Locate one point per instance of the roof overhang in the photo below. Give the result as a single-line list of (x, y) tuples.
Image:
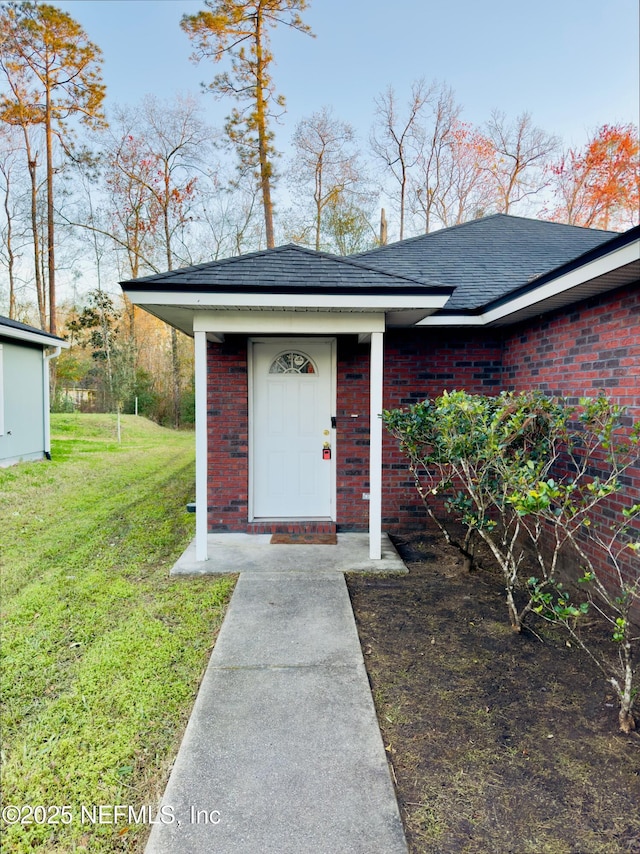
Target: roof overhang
[(616, 268), (252, 313), (32, 336)]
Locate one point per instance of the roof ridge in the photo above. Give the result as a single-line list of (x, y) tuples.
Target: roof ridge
[(353, 260)]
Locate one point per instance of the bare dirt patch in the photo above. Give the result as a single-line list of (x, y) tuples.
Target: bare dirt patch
[(498, 742)]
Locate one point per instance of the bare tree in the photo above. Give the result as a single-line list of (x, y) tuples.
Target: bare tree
[(151, 161), (176, 138), (9, 151), (396, 138), (173, 146), (467, 189), (521, 152), (230, 212), (15, 111), (155, 166), (326, 164), (128, 172), (434, 140)]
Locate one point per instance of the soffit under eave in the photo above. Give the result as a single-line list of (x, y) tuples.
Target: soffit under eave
[(622, 276), (508, 313)]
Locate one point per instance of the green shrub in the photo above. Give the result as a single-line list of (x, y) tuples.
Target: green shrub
[(530, 475)]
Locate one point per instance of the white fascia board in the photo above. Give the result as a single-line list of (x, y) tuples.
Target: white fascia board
[(287, 322), (32, 337), (374, 302), (592, 270), (453, 320)]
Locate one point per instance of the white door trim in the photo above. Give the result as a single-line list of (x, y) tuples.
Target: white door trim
[(293, 342)]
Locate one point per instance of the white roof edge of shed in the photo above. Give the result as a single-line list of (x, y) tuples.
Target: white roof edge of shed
[(32, 337)]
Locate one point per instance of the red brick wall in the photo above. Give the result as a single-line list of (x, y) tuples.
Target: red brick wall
[(423, 363), (580, 352), (352, 435), (417, 364), (228, 435)]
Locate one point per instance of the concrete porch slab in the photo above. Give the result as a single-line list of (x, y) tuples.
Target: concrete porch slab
[(231, 553)]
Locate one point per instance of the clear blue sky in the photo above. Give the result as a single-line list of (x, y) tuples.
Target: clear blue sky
[(573, 64)]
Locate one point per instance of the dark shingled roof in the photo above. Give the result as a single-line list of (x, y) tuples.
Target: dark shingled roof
[(487, 258), (24, 327), (286, 269)]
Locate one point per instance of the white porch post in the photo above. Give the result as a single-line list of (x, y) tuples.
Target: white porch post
[(202, 463), (375, 446)]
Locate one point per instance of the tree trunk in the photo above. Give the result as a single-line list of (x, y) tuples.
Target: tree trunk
[(514, 617), (33, 166), (9, 245), (403, 192), (106, 343), (263, 145), (318, 200), (175, 373), (175, 358), (625, 716), (51, 265)]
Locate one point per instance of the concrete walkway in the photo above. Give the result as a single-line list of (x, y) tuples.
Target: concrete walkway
[(282, 754)]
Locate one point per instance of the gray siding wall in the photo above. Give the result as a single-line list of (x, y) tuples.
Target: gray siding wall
[(21, 396)]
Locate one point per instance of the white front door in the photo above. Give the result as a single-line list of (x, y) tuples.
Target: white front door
[(293, 400)]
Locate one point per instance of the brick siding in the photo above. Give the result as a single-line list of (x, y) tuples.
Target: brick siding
[(579, 352), (228, 435), (423, 363), (352, 435)]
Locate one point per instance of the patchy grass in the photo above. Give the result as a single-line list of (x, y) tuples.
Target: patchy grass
[(498, 742), (102, 653)]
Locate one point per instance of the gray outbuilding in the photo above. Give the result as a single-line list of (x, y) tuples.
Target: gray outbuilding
[(25, 354)]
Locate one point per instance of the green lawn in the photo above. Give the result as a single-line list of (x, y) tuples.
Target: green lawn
[(101, 652)]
